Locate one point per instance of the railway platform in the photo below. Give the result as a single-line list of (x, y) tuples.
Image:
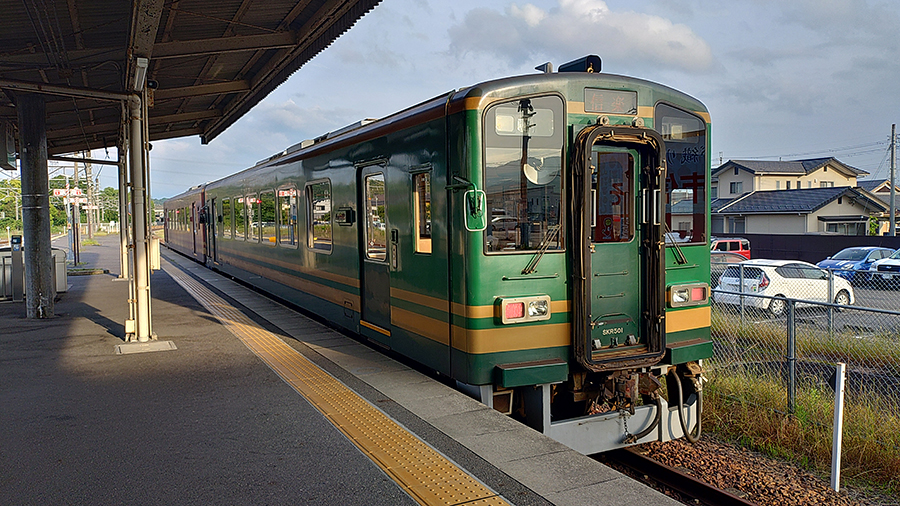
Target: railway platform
[(246, 401)]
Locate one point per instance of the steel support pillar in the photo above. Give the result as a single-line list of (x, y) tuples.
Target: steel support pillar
[(40, 289), (123, 215), (141, 269)]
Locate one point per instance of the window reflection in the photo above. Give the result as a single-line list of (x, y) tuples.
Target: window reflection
[(523, 181), (612, 182)]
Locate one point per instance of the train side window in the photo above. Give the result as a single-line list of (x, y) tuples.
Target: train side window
[(253, 224), (226, 218), (422, 209), (267, 217), (287, 219), (376, 240), (240, 218), (318, 201)]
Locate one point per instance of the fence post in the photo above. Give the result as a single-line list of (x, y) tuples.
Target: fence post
[(741, 290), (830, 301), (840, 377), (791, 357)]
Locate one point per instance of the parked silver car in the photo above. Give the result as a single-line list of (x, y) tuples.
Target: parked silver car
[(781, 279)]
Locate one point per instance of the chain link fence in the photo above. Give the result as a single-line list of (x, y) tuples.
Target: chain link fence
[(778, 349)]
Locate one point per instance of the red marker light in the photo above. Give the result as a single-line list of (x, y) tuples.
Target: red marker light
[(698, 293), (515, 310)]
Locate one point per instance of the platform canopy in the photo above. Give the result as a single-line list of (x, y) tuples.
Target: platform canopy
[(208, 62)]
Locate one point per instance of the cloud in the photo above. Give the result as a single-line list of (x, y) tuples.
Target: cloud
[(577, 27)]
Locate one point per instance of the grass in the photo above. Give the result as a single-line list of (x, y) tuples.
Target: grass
[(746, 400)]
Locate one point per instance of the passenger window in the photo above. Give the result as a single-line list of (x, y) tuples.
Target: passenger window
[(376, 243), (240, 218), (287, 222), (267, 217), (226, 218), (318, 199), (253, 224), (422, 209)]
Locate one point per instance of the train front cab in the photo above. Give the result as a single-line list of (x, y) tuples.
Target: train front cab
[(574, 270)]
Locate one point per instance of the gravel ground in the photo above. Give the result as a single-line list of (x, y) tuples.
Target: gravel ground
[(763, 480)]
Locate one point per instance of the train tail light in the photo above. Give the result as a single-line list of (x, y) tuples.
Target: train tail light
[(523, 309)]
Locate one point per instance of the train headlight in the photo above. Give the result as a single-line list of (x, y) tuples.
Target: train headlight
[(538, 308), (522, 309), (696, 294)]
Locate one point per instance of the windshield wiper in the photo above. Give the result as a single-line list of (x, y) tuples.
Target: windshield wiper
[(679, 255), (551, 234)]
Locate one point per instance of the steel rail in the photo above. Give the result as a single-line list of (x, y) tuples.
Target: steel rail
[(671, 478)]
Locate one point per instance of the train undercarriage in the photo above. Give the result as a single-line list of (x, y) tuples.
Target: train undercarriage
[(598, 412)]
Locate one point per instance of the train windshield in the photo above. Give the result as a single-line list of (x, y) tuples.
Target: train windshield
[(523, 176), (685, 137)]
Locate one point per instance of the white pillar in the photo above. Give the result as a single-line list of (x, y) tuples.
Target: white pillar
[(840, 376), (141, 270)]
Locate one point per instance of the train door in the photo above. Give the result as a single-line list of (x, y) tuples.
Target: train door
[(211, 214), (619, 181), (195, 224), (375, 281)]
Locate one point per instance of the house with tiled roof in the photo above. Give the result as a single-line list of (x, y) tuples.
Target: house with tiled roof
[(837, 210), (881, 188), (737, 177), (819, 195)]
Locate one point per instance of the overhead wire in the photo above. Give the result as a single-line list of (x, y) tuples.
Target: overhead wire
[(850, 151)]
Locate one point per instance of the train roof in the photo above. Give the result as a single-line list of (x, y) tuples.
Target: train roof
[(484, 93)]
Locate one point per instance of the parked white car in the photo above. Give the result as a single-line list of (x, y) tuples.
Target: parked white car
[(886, 269), (783, 279)]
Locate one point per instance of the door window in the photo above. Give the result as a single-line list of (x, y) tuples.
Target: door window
[(422, 210), (612, 182), (376, 242)]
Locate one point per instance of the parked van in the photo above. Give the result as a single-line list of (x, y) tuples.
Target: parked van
[(733, 244)]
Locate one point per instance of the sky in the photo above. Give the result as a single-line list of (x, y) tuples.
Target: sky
[(783, 79)]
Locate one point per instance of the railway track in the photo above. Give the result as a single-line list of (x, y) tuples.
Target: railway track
[(691, 490)]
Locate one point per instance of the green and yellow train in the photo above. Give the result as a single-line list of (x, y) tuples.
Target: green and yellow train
[(542, 240)]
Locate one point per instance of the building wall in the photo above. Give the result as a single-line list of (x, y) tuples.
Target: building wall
[(847, 207), (753, 182), (777, 224), (727, 177)]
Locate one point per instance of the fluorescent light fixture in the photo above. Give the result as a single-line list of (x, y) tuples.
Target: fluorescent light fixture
[(140, 73)]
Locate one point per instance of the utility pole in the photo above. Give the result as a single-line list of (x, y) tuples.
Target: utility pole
[(893, 168), (89, 180)]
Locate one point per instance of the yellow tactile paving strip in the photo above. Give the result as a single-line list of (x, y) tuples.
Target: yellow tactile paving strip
[(428, 477)]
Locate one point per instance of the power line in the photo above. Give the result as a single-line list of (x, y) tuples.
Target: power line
[(863, 148)]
